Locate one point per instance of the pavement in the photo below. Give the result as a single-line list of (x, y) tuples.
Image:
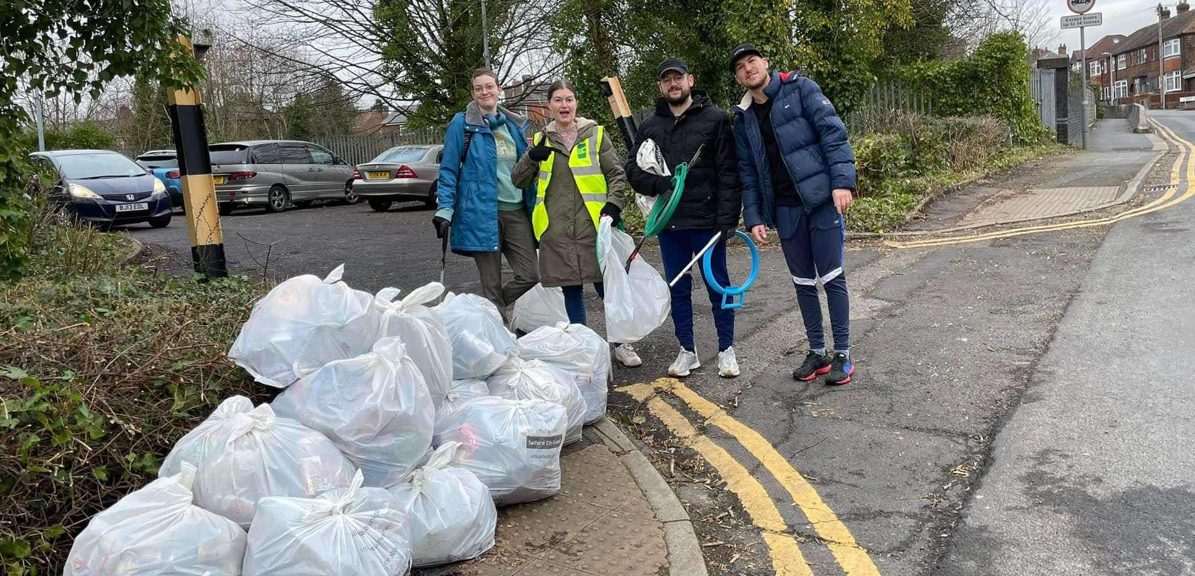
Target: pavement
[(960, 335)]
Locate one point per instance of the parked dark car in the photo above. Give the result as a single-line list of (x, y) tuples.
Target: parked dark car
[(105, 188), (400, 173), (164, 164), (276, 173)]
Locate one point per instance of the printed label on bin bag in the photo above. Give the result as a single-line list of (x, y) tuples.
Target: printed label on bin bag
[(544, 442)]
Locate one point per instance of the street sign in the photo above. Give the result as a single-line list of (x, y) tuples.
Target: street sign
[(1080, 6), (1186, 99), (1083, 21)]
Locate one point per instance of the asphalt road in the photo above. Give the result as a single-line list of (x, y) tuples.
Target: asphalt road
[(1012, 406)]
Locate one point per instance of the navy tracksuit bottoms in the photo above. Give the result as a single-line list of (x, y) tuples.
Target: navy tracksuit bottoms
[(813, 246), (677, 247)]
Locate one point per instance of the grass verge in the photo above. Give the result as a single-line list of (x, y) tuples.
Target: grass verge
[(103, 366)]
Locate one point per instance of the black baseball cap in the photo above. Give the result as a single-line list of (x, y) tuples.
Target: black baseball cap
[(672, 64), (741, 51)]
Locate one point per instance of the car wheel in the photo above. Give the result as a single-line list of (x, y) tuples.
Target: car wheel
[(162, 222), (225, 209), (380, 204), (432, 195), (277, 199), (350, 195)]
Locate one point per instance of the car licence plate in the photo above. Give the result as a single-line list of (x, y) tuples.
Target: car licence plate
[(377, 175), (218, 180), (132, 207)]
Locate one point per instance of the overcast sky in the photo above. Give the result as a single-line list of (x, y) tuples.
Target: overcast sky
[(1120, 17)]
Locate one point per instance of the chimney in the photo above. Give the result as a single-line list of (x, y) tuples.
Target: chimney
[(1182, 8), (1164, 13), (1062, 49)]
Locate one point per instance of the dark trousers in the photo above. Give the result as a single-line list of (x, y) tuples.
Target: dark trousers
[(677, 247), (574, 301), (516, 241), (814, 246)]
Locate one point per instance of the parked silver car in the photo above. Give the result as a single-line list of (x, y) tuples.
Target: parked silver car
[(276, 173), (400, 173)]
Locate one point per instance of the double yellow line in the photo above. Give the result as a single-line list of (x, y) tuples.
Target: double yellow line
[(1166, 200), (786, 555)]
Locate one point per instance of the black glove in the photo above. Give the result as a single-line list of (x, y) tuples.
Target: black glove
[(728, 231), (663, 185), (541, 151), (442, 225), (613, 211)]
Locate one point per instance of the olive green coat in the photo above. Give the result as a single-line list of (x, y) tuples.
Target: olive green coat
[(568, 248)]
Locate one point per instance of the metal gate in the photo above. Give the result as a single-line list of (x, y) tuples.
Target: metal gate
[(1041, 85)]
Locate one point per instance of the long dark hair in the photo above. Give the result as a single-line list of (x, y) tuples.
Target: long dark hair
[(561, 84)]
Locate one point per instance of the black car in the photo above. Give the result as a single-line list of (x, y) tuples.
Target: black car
[(106, 188)]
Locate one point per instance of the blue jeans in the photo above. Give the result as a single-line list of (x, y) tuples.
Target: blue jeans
[(813, 248), (574, 301), (677, 247)]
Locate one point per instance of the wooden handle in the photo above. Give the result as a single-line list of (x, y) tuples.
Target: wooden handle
[(618, 100)]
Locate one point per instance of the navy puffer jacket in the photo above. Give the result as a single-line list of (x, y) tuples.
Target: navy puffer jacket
[(812, 140)]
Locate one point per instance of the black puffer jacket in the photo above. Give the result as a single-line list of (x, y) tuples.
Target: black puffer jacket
[(712, 197)]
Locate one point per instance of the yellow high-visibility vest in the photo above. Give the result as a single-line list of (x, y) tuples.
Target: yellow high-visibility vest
[(586, 165)]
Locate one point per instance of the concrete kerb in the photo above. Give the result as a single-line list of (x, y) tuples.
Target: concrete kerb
[(684, 550), (1132, 187)]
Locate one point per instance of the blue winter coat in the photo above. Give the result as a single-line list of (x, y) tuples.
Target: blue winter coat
[(467, 194), (812, 140)]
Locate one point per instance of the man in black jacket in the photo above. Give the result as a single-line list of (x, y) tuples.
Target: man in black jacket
[(685, 120)]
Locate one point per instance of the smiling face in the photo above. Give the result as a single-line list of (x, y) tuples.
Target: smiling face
[(675, 87), (563, 104), (751, 72), (486, 91)]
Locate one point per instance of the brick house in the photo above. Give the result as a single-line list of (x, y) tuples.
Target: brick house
[(1130, 74), (1097, 64)]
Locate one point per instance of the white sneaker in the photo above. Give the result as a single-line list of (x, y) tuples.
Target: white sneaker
[(685, 362), (626, 355), (728, 365)]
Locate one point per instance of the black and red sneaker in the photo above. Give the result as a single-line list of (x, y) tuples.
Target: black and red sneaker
[(814, 365), (841, 369)]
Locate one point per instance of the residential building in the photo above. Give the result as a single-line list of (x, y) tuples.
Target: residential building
[(1131, 71), (1099, 72)]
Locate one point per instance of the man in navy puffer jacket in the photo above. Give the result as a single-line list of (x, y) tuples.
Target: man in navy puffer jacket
[(798, 174)]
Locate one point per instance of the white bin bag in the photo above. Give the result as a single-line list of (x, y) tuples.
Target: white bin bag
[(354, 530), (636, 303), (579, 351), (461, 392), (421, 331), (513, 446), (539, 306), (451, 514), (302, 324), (480, 341), (158, 531), (520, 379), (374, 407), (242, 454)]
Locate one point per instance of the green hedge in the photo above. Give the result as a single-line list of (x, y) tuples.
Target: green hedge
[(994, 80)]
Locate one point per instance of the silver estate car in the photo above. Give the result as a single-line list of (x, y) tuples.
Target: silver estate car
[(400, 173), (276, 173)]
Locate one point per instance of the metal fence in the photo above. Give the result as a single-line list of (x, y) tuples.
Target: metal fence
[(358, 149), (882, 100)]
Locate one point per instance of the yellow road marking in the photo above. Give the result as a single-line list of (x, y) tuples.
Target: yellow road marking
[(787, 559), (853, 558), (1161, 203)]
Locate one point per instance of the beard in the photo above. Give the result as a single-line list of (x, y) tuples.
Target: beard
[(684, 95), (763, 80)]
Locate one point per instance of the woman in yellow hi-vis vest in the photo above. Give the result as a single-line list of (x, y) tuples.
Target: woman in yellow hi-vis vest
[(578, 178)]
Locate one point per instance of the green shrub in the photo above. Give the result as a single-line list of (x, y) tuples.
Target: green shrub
[(103, 367)]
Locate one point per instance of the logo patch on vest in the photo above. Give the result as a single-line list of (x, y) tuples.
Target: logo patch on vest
[(583, 150)]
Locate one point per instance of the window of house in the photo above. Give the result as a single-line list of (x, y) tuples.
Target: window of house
[(1121, 62), (1171, 48), (1174, 81), (1141, 56), (1120, 89), (1095, 68)]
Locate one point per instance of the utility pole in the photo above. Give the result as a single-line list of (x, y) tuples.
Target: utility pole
[(485, 37), (1161, 59), (1086, 92)]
